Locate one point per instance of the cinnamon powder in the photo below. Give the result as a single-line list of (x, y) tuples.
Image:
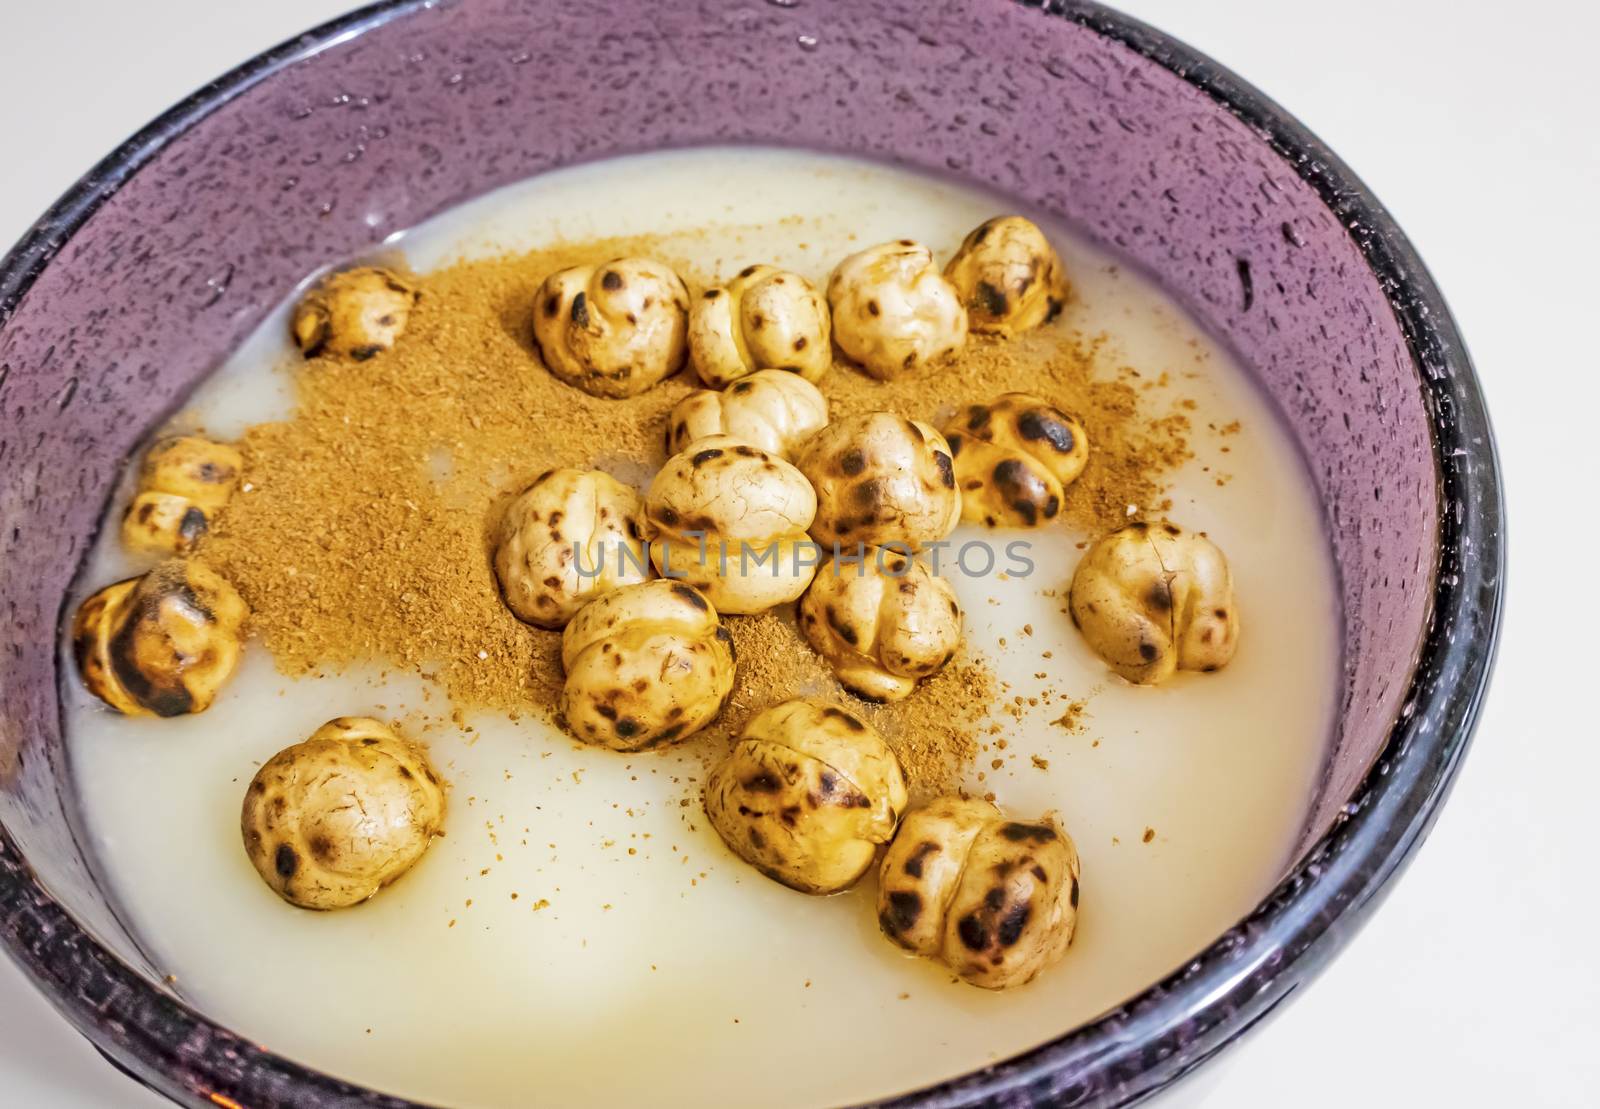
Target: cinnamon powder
[(362, 531)]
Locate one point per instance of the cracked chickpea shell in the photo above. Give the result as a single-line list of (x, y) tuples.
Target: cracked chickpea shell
[(883, 625), (646, 665), (765, 318), (331, 820), (731, 519), (807, 795), (993, 899), (613, 330), (1153, 599), (893, 310), (771, 409), (568, 538), (184, 484), (881, 478), (353, 314)]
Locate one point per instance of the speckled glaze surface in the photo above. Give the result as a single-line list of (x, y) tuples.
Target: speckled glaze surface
[(169, 253)]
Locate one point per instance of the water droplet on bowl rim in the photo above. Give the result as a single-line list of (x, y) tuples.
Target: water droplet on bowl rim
[(217, 284)]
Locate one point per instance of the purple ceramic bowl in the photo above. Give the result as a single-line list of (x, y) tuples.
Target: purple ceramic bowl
[(143, 278)]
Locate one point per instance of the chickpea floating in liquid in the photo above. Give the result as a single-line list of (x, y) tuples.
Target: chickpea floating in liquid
[(184, 484), (1014, 459), (163, 644), (880, 479), (646, 666), (764, 319), (806, 796), (353, 314), (568, 538), (613, 330), (893, 310), (1153, 599), (882, 626), (333, 819), (993, 899), (1009, 276)]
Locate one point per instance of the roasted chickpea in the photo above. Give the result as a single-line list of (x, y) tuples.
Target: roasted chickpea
[(1153, 599), (1014, 459), (764, 319), (613, 330), (646, 666), (1009, 276), (731, 520), (163, 644), (335, 818), (883, 624), (807, 795), (353, 314), (881, 479), (993, 899), (893, 310), (184, 483), (773, 410), (569, 537)]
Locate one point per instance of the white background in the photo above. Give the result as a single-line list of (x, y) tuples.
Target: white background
[(1478, 983)]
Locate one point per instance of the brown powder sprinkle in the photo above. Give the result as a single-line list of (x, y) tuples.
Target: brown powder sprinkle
[(1073, 719), (366, 533), (362, 532), (933, 732), (1130, 450)]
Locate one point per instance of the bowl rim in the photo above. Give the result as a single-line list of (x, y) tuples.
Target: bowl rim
[(1151, 1040)]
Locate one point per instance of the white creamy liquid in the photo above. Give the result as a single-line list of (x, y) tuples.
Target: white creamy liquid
[(571, 940)]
